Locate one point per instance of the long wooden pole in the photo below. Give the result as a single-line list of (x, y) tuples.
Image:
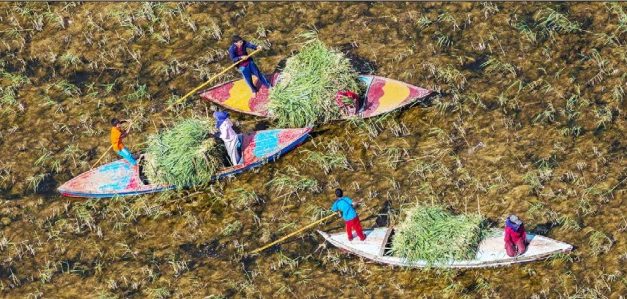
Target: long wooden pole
[(292, 234), (187, 95), (210, 80), (111, 146)]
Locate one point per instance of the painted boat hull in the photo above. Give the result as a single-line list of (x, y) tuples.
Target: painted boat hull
[(119, 179), (491, 251), (382, 95)]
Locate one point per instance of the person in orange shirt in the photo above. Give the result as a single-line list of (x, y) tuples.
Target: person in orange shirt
[(116, 141)]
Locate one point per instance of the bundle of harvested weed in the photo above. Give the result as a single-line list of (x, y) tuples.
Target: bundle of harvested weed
[(305, 92), (184, 155), (432, 234)]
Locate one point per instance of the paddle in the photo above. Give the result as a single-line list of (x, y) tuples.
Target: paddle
[(211, 79), (292, 234), (111, 146)]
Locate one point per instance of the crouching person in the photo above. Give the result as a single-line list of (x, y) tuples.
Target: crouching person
[(515, 236)]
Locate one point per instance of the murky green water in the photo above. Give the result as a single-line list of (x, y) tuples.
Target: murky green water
[(530, 120)]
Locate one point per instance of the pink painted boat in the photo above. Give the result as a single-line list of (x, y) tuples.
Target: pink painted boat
[(491, 251), (382, 95), (118, 178)]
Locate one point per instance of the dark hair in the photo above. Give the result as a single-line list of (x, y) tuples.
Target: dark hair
[(338, 192), (115, 121), (236, 38)]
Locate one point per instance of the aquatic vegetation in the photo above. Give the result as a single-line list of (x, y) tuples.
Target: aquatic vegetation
[(160, 293), (245, 198), (184, 155), (474, 141), (232, 228), (305, 93), (495, 66), (599, 242), (432, 234), (552, 22), (328, 161), (604, 117), (448, 74), (292, 183), (443, 40), (568, 223), (140, 92), (10, 83)]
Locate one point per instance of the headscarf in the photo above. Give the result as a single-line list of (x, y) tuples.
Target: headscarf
[(220, 117), (513, 222)]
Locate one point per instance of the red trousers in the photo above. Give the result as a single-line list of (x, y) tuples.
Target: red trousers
[(514, 249), (354, 224)]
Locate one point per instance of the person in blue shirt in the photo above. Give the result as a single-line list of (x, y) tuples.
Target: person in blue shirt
[(345, 208), (246, 65)]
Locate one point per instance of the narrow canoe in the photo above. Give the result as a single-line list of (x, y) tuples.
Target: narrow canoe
[(491, 251), (119, 179), (382, 95)]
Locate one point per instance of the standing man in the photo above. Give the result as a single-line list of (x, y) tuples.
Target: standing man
[(345, 208), (228, 135), (116, 141), (515, 236), (246, 65)]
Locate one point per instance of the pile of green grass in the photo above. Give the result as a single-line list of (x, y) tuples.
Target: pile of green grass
[(432, 234), (305, 93), (184, 155)]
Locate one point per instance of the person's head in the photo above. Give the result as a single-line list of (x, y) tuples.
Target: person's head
[(338, 192), (220, 115), (514, 219), (237, 40), (115, 122)]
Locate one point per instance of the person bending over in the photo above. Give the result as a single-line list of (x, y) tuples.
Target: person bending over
[(228, 135), (515, 236)]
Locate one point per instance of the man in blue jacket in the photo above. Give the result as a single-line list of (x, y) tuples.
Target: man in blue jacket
[(246, 65)]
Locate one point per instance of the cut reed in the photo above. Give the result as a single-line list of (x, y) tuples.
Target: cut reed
[(184, 155), (305, 92), (432, 234)]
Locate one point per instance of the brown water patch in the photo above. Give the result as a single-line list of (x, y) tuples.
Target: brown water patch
[(530, 120)]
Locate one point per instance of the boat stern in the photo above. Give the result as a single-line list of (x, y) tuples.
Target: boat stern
[(115, 178), (384, 95), (236, 95)]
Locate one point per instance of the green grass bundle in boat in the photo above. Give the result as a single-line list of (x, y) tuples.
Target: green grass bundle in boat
[(184, 155), (433, 234), (305, 93)]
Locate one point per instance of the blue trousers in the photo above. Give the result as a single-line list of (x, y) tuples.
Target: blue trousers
[(124, 153), (248, 71)]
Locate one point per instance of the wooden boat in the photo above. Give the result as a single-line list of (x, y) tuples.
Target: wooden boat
[(118, 178), (382, 95), (491, 251)]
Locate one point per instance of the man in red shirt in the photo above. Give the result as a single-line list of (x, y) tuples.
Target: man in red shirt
[(515, 236)]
